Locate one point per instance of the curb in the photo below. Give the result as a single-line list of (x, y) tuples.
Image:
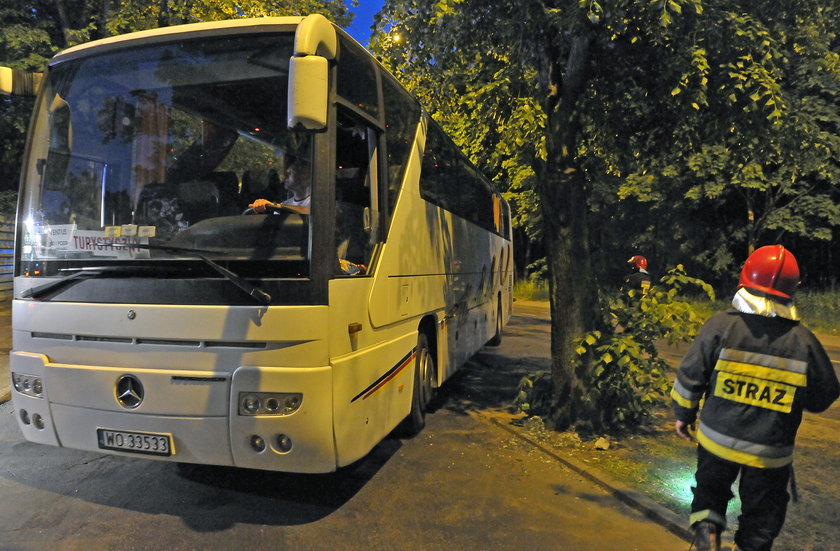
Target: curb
[(649, 508)]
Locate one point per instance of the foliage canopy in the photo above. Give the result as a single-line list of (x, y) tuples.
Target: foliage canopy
[(690, 131)]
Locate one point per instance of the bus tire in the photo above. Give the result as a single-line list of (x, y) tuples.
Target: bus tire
[(496, 340), (421, 395)]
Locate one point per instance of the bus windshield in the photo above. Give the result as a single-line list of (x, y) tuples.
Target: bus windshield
[(168, 144)]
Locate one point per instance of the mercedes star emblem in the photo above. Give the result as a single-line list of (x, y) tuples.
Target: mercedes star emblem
[(129, 391)]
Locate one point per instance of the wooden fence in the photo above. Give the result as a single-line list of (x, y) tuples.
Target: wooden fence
[(7, 249)]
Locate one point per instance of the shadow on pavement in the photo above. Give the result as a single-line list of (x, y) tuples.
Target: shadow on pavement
[(206, 498), (486, 382)]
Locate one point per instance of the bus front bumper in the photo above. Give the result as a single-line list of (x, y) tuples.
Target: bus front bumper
[(184, 416)]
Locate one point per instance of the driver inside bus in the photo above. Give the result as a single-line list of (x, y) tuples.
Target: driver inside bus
[(298, 183)]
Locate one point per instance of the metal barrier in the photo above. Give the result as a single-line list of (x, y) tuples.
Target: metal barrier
[(7, 249)]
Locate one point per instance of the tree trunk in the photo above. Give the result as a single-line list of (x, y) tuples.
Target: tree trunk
[(104, 17), (564, 200), (63, 21), (163, 14)]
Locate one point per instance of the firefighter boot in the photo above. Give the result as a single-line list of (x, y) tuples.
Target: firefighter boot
[(706, 536)]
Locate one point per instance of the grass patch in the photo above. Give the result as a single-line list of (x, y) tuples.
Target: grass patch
[(820, 310), (531, 290)]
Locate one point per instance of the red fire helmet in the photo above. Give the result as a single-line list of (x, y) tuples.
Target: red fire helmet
[(772, 270), (638, 261)]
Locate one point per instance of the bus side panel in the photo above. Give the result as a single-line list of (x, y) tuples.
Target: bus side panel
[(373, 389), (372, 370), (436, 262), (410, 276), (473, 257)]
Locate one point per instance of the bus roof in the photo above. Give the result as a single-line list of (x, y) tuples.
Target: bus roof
[(162, 33)]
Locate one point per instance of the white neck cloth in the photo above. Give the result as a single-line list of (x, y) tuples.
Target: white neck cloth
[(748, 303)]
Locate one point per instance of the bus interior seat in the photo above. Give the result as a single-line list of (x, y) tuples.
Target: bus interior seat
[(199, 199), (158, 205), (227, 185), (352, 199)]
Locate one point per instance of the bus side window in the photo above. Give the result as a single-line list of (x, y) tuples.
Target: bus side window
[(355, 189), (402, 113)]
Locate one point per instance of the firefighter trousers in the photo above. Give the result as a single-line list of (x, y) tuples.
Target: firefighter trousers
[(763, 494)]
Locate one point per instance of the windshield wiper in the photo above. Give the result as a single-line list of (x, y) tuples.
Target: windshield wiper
[(252, 290), (76, 275)]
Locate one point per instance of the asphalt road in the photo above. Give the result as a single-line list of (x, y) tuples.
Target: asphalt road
[(462, 484)]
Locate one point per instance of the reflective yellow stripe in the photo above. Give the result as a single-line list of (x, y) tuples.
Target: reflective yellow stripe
[(779, 362), (755, 392), (707, 514), (742, 457), (689, 404), (762, 372)]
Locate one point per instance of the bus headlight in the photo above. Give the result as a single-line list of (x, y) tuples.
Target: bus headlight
[(250, 404), (29, 385), (269, 403)]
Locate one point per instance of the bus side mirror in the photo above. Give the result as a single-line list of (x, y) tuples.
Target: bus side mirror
[(18, 83), (308, 92), (309, 73)]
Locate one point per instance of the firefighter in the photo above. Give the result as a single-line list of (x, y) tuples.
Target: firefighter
[(639, 278), (758, 369)]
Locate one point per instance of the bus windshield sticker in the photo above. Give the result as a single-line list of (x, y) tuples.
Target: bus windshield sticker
[(96, 243)]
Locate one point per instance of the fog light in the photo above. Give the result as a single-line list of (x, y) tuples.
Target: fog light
[(24, 416), (257, 443), (37, 386), (38, 421), (284, 443)]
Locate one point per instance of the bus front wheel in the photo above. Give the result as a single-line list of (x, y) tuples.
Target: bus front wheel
[(424, 370)]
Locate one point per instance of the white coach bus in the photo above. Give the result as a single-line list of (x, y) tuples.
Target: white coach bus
[(156, 315)]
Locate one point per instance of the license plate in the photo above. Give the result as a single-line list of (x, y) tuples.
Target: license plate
[(135, 442)]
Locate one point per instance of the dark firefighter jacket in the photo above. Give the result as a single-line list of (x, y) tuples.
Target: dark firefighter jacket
[(757, 374)]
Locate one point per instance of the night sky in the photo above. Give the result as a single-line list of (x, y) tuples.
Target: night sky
[(360, 29)]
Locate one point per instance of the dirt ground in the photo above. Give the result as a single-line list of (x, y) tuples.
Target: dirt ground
[(653, 460), (659, 464)]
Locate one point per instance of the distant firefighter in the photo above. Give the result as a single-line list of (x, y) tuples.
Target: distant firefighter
[(639, 278)]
